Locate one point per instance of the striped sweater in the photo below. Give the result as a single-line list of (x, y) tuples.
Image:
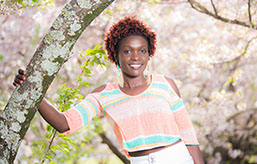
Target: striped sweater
[(156, 117)]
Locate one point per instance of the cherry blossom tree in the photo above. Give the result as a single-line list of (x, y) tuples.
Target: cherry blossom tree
[(208, 47)]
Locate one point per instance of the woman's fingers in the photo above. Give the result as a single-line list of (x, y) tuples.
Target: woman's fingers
[(19, 78), (21, 72), (18, 81), (15, 84)]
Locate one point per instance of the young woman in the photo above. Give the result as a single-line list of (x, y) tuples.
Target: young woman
[(146, 112)]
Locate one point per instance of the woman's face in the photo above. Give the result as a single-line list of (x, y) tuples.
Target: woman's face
[(133, 55)]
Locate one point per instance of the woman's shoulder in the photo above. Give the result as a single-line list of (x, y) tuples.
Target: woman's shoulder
[(105, 87), (99, 88), (172, 84)]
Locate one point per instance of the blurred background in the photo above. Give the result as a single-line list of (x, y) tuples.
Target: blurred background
[(214, 64)]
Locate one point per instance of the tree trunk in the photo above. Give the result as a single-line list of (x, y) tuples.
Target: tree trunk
[(54, 50)]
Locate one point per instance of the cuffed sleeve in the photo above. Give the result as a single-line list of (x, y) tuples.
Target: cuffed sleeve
[(79, 115)]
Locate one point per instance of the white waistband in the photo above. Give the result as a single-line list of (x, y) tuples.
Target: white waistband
[(177, 153)]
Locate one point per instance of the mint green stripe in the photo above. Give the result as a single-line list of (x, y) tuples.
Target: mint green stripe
[(114, 92), (93, 105), (116, 102), (177, 105), (149, 140), (163, 86), (191, 144), (153, 95), (83, 112)]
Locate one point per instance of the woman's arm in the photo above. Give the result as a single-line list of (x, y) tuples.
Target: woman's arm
[(53, 116), (46, 109), (194, 150), (196, 154)]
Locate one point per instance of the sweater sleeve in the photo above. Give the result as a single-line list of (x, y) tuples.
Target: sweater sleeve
[(183, 120), (79, 115)]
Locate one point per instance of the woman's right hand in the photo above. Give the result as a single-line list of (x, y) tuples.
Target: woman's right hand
[(19, 78), (46, 109)]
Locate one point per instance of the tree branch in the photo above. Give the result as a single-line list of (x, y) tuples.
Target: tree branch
[(235, 63), (107, 141), (249, 12), (198, 7), (214, 8), (238, 57), (50, 144)]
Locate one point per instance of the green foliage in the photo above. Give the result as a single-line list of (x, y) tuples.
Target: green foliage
[(66, 97), (151, 2), (97, 126), (251, 160), (109, 12), (34, 3), (52, 142), (91, 57), (1, 57)]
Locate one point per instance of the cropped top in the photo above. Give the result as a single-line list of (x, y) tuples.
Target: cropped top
[(156, 117)]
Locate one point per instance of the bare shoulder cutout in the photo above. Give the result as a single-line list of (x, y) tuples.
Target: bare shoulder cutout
[(173, 85)]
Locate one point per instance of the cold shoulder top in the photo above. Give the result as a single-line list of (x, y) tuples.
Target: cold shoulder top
[(156, 117)]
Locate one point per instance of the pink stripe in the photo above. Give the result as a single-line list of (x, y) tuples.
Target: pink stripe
[(74, 120), (142, 123)]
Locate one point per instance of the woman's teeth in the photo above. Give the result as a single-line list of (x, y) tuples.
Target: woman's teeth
[(135, 66)]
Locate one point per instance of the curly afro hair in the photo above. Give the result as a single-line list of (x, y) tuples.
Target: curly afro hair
[(125, 27)]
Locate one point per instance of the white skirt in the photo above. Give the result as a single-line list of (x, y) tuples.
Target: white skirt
[(175, 154)]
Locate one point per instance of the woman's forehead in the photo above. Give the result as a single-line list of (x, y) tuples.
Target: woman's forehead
[(133, 41)]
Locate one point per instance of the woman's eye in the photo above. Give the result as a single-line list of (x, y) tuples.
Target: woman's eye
[(127, 51), (143, 51)]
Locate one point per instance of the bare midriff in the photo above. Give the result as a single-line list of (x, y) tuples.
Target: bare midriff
[(147, 152)]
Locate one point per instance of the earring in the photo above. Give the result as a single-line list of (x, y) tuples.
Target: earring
[(119, 76), (147, 73)]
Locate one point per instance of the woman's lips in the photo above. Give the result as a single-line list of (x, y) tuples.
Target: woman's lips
[(135, 66)]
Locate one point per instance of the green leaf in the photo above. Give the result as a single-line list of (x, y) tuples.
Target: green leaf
[(65, 149), (85, 83), (52, 147), (65, 145), (79, 79), (86, 72), (66, 139), (49, 127), (98, 46), (52, 162), (81, 56), (20, 1), (85, 64), (251, 160), (101, 51), (1, 57), (61, 135), (48, 135), (89, 51), (43, 145)]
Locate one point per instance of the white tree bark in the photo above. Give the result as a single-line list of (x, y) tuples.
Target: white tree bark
[(51, 54)]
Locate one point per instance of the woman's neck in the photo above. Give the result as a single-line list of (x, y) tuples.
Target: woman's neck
[(134, 82)]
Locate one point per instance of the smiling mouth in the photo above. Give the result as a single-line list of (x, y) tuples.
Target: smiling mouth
[(135, 66)]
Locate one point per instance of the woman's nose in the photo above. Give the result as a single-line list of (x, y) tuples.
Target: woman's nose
[(135, 56)]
